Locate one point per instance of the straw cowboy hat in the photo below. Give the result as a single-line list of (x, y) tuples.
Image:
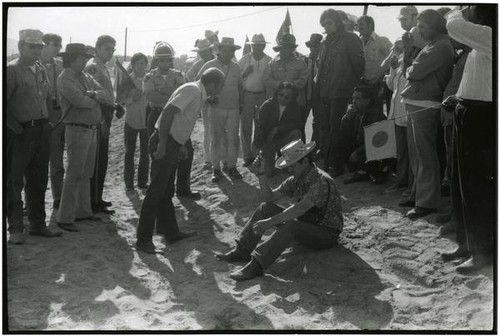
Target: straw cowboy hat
[(287, 39), (293, 152), (258, 39), (202, 45), (76, 48), (227, 42)]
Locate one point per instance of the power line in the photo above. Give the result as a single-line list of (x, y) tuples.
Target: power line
[(206, 23)]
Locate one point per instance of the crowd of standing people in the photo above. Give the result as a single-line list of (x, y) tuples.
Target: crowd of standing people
[(260, 105)]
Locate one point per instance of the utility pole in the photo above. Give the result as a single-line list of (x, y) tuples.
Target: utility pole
[(125, 54)]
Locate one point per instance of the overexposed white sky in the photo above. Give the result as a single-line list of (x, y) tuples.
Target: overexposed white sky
[(181, 26)]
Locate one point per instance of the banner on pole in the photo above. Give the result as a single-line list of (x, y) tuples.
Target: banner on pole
[(380, 140), (285, 27)]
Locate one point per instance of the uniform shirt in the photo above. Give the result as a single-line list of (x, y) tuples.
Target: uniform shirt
[(294, 71), (135, 115), (80, 108), (229, 97), (376, 50), (254, 82), (28, 89), (193, 73), (158, 87), (477, 80), (97, 69), (54, 69), (314, 187), (189, 99)]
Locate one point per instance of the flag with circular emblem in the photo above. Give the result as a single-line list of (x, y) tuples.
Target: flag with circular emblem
[(380, 140)]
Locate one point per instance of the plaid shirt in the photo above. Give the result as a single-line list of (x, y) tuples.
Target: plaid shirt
[(314, 187)]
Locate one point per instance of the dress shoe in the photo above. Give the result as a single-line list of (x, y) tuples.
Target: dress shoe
[(418, 212), (216, 175), (56, 203), (45, 232), (68, 227), (474, 263), (357, 177), (459, 252), (105, 203), (90, 218), (235, 255), (407, 203), (17, 238), (247, 272), (234, 173), (145, 246), (248, 162), (191, 195), (179, 236)]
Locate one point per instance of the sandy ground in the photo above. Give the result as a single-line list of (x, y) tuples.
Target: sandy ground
[(385, 275)]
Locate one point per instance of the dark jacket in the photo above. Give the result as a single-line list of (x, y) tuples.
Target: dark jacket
[(341, 65), (431, 71), (268, 120)]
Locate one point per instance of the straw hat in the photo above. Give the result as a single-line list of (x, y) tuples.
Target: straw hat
[(293, 152)]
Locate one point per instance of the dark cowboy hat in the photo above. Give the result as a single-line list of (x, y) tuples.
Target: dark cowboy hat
[(287, 39), (314, 40), (76, 48)]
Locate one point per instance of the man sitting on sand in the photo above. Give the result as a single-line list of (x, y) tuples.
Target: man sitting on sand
[(315, 220)]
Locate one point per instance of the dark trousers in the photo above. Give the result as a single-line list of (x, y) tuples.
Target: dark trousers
[(474, 176), (29, 169), (157, 205), (404, 175), (266, 252), (130, 135), (101, 167), (314, 105), (333, 111), (183, 183)]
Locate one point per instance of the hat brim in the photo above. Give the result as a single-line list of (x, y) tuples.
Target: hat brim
[(282, 163), (235, 47), (277, 48), (258, 42), (72, 53), (311, 43), (203, 49)]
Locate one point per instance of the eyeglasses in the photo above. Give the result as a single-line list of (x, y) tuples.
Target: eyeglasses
[(327, 23)]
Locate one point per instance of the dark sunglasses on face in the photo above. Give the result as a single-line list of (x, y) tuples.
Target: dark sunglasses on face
[(35, 46)]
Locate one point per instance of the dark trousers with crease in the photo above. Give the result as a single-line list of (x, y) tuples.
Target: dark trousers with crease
[(101, 167), (266, 252), (157, 206), (29, 170), (333, 110), (474, 174)]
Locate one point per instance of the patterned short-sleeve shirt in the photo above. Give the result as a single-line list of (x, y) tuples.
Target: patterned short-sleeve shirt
[(314, 187)]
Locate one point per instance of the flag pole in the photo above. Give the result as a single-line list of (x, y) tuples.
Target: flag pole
[(125, 53)]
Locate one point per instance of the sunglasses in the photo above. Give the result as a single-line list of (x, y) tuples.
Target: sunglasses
[(35, 46)]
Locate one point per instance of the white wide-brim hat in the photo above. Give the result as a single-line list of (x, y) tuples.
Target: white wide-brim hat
[(293, 152)]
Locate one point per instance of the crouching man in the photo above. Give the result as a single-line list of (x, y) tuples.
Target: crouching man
[(314, 220)]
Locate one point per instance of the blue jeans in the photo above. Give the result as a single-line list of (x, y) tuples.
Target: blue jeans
[(266, 252), (130, 135), (157, 205)]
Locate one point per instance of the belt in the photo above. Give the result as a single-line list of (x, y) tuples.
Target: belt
[(34, 122), (261, 92), (92, 127)]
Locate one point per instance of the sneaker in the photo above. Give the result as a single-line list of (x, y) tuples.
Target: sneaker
[(234, 173), (216, 175)]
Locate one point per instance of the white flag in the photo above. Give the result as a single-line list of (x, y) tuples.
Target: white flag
[(380, 140)]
